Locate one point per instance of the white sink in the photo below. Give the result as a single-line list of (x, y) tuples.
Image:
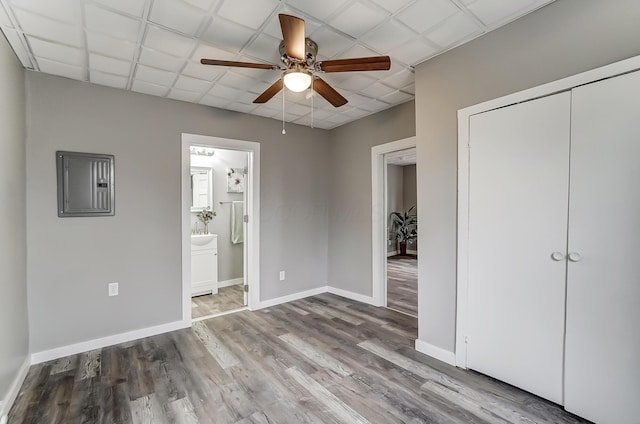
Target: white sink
[(202, 239)]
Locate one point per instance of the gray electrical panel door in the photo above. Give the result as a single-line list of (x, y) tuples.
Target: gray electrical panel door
[(85, 184)]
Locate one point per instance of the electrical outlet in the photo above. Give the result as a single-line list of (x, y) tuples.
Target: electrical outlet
[(113, 289), (281, 275)]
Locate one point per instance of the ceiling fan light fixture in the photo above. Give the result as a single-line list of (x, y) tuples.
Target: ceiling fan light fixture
[(296, 80)]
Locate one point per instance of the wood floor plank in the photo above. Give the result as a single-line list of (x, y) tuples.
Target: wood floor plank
[(319, 357), (224, 357), (402, 284), (227, 299)]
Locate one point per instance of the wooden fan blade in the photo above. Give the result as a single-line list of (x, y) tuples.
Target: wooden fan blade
[(237, 64), (376, 63), (326, 91), (270, 92), (293, 36)]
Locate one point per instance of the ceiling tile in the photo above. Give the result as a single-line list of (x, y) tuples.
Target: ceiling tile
[(5, 22), (160, 60), (211, 52), (318, 9), (339, 118), (358, 51), (203, 72), (110, 46), (250, 13), (377, 90), (414, 52), (225, 92), (273, 25), (399, 79), (227, 34), (168, 42), (241, 107), (396, 97), (380, 40), (247, 98), (358, 19), (491, 12), (454, 30), (265, 48), (132, 7), (185, 96), (356, 100), (355, 81), (19, 46), (62, 10), (267, 113), (235, 80), (214, 101), (148, 88), (374, 106), (109, 80), (202, 4), (155, 76), (60, 69), (110, 23), (356, 113), (177, 15), (57, 52), (48, 29), (425, 14), (411, 89), (109, 65), (297, 109), (259, 87), (393, 5), (191, 84), (330, 42)]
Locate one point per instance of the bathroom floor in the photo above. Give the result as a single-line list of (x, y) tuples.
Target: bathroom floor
[(228, 298)]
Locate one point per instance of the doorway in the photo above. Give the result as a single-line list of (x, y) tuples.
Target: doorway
[(220, 217), (395, 282)]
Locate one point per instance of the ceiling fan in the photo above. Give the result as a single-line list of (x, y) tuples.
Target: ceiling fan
[(300, 68)]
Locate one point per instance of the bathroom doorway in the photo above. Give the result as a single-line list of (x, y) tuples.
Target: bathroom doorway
[(220, 218)]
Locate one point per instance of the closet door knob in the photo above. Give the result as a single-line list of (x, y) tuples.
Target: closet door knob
[(557, 256), (575, 257)]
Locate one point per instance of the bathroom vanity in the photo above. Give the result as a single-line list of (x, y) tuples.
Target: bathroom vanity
[(204, 264)]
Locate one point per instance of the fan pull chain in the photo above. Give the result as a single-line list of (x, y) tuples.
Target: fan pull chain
[(283, 130), (312, 96)]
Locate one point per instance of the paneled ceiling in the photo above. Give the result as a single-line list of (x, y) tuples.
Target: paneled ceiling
[(154, 46)]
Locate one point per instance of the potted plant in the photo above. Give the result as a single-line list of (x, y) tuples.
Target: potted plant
[(405, 227)]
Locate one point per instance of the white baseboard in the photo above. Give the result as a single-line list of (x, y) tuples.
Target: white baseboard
[(436, 352), (7, 402), (412, 252), (290, 297), (233, 282), (351, 295), (60, 352)]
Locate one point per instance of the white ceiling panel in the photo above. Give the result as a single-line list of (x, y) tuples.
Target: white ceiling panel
[(109, 46), (110, 23), (109, 65), (237, 11), (177, 15), (425, 14), (48, 29), (155, 46), (57, 52), (131, 7), (115, 81), (358, 19)]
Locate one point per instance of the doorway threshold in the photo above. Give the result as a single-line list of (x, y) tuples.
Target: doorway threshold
[(219, 314)]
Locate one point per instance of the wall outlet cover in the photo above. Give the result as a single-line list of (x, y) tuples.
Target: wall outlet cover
[(282, 276)]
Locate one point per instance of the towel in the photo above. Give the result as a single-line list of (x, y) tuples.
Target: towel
[(237, 222)]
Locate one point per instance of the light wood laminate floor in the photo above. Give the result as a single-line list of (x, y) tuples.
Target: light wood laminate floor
[(402, 284), (323, 359), (227, 299)]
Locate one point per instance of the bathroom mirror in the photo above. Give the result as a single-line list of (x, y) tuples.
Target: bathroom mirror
[(201, 188)]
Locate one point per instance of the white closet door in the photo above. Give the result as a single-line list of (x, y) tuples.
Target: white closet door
[(602, 380), (519, 182)]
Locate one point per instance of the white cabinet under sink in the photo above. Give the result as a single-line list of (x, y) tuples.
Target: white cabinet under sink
[(204, 264)]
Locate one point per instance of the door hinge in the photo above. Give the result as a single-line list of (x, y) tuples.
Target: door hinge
[(246, 288), (245, 218), (466, 339)]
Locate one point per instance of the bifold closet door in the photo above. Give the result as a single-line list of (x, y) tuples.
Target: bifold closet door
[(602, 380), (518, 206)]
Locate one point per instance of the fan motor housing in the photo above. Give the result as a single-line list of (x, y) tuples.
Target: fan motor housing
[(311, 51)]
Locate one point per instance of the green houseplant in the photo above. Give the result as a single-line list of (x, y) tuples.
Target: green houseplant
[(405, 227)]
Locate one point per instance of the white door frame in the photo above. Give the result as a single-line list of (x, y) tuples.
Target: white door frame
[(608, 71), (252, 208), (379, 229)]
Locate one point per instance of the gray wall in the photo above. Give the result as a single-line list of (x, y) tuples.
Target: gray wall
[(14, 339), (230, 256), (559, 40), (395, 200), (71, 260), (350, 187), (410, 194)]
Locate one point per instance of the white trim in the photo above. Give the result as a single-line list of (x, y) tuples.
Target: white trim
[(252, 234), (10, 397), (436, 352), (291, 297), (233, 282), (378, 212), (61, 352), (565, 84), (351, 295)]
